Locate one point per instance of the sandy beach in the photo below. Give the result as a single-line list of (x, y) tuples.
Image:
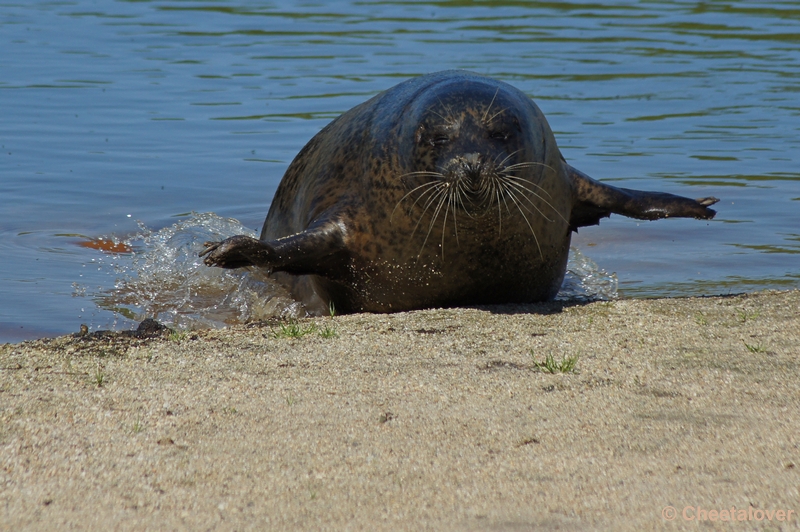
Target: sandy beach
[(678, 414)]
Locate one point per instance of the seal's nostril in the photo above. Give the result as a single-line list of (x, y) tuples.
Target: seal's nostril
[(472, 158)]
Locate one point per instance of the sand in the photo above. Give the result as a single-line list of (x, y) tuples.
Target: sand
[(430, 420)]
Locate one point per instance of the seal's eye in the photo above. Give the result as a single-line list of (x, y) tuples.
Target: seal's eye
[(498, 135), (437, 140), (433, 138)]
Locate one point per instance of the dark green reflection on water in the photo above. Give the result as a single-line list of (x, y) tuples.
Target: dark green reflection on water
[(730, 7), (560, 6), (695, 287), (710, 111), (270, 11), (733, 180), (282, 117), (792, 249)]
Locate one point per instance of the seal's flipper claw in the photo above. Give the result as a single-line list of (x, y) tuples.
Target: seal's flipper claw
[(210, 246), (707, 202), (234, 252), (295, 254), (596, 200)]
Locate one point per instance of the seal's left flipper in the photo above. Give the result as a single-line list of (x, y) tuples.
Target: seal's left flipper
[(297, 253), (596, 200)]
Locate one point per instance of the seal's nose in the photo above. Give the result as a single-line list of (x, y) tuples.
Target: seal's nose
[(472, 169), (472, 158)]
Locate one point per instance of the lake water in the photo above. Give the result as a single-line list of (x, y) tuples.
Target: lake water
[(119, 119)]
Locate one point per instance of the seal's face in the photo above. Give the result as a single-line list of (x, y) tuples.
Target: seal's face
[(472, 151)]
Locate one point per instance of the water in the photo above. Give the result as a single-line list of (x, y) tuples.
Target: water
[(160, 275), (119, 116)]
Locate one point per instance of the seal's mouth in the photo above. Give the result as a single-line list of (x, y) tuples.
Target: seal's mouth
[(471, 175), (474, 184)]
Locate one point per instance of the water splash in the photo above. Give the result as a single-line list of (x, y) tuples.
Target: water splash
[(163, 278), (166, 280), (586, 281)]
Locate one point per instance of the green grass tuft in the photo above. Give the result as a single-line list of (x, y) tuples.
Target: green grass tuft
[(293, 330), (747, 315), (755, 348), (137, 425), (99, 377), (176, 335), (328, 331), (551, 365)]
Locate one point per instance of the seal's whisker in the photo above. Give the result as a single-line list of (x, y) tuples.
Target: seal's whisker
[(484, 192), (519, 208), (522, 190), (498, 196), (436, 195), (449, 111), (505, 173), (431, 194), (519, 186), (441, 196), (507, 157), (486, 112), (431, 184), (528, 164), (444, 118), (531, 163), (501, 111), (428, 173), (521, 180), (501, 191), (433, 197), (524, 185), (534, 188), (452, 204), (487, 195), (460, 194), (448, 197), (513, 168)]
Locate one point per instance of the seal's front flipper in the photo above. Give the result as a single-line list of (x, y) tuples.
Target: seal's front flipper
[(596, 200), (297, 253), (236, 252)]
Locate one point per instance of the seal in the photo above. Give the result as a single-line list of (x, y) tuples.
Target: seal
[(445, 190)]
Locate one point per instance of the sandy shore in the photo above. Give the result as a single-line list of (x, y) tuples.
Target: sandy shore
[(434, 420)]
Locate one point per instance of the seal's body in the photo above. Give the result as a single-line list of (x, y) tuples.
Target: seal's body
[(445, 190)]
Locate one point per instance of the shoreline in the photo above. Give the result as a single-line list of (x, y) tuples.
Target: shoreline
[(443, 419)]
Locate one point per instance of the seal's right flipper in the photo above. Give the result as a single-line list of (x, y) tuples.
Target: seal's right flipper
[(237, 252), (596, 200), (295, 254)]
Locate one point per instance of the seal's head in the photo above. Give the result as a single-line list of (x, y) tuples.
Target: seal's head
[(471, 146)]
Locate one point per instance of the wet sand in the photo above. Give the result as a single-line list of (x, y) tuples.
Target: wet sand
[(430, 420)]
